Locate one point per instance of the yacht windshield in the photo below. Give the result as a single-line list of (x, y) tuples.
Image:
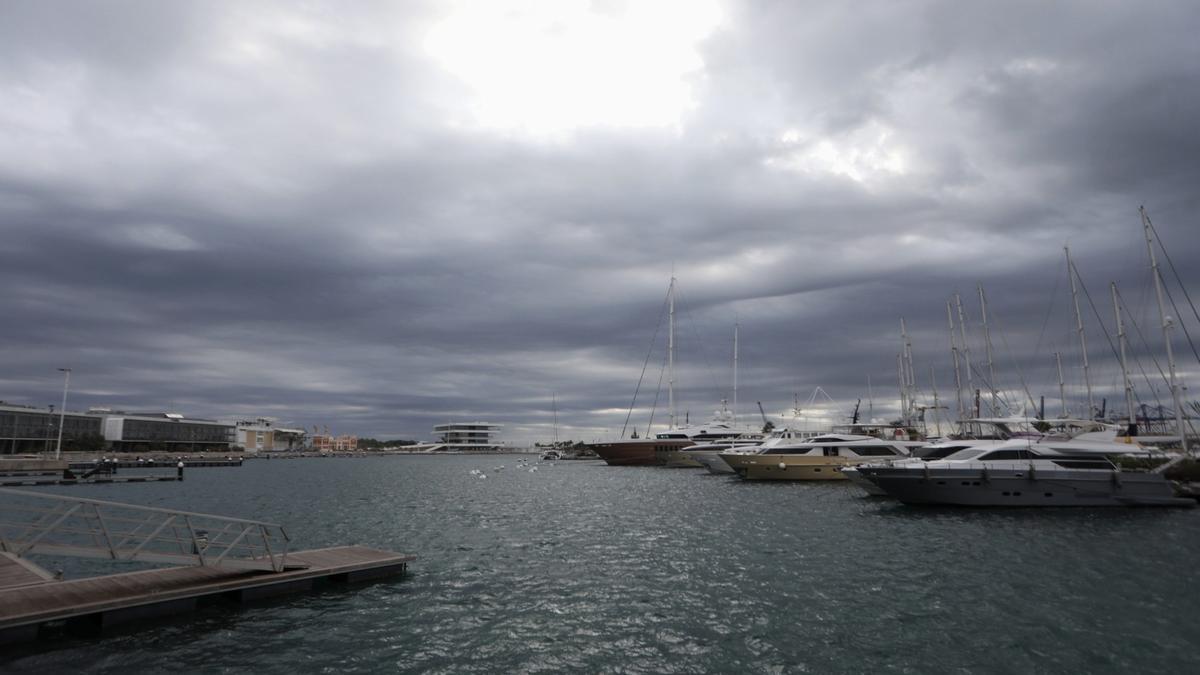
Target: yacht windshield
[(969, 453)]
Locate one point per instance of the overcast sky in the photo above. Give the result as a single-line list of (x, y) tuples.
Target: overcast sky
[(383, 216)]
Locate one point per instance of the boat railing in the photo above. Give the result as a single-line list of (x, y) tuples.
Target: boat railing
[(50, 524)]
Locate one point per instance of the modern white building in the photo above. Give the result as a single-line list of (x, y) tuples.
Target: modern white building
[(467, 436)]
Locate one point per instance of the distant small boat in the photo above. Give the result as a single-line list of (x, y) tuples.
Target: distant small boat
[(551, 455)]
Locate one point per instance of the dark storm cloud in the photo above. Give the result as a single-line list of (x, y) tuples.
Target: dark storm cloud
[(259, 209)]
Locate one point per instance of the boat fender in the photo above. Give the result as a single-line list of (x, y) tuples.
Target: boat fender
[(1116, 477), (926, 467), (1032, 472), (983, 475), (782, 466)]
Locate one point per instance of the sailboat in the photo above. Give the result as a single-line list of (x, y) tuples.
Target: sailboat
[(553, 453), (652, 451)]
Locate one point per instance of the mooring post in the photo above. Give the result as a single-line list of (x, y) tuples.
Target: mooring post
[(179, 469)]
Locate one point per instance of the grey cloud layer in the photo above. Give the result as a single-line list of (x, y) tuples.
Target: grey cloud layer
[(298, 229)]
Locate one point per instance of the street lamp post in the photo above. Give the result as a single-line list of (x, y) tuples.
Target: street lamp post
[(62, 413)]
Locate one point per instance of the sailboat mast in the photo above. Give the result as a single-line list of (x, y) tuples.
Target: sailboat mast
[(1062, 387), (962, 327), (554, 405), (987, 344), (1167, 326), (957, 372), (909, 382), (903, 392), (937, 421), (1087, 380), (671, 352), (735, 367), (870, 400), (1124, 366)]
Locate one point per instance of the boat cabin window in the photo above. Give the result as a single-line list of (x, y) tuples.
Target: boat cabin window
[(1098, 463), (969, 453), (938, 453), (666, 436), (831, 452), (874, 450), (1001, 455)]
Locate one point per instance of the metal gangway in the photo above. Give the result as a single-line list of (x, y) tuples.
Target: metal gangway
[(50, 524)]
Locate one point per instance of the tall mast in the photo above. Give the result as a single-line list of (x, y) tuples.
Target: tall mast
[(554, 405), (962, 327), (870, 400), (1124, 367), (1087, 380), (1168, 324), (903, 393), (1062, 387), (909, 382), (957, 374), (671, 352), (987, 343), (735, 367), (937, 421)]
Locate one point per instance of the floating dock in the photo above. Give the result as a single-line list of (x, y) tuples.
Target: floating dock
[(211, 558), (107, 478), (31, 599)]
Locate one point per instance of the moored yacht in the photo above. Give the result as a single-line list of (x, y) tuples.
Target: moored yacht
[(928, 453), (709, 455), (819, 458), (654, 451), (1026, 472)]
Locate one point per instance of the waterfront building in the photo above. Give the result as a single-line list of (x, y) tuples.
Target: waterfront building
[(27, 429), (328, 443), (466, 437), (261, 435), (165, 432)]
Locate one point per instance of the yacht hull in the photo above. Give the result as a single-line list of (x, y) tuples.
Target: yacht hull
[(678, 459), (1006, 487), (855, 476), (641, 452), (787, 467), (711, 460)]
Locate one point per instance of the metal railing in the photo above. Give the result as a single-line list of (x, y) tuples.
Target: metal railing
[(50, 524)]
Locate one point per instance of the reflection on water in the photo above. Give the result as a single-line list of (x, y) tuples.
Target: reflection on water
[(581, 566)]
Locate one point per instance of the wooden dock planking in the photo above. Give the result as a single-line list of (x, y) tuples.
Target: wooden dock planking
[(131, 595), (16, 572)]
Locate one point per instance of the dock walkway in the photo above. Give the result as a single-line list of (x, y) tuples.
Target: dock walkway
[(29, 600)]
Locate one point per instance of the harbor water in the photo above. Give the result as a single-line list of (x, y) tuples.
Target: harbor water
[(583, 567)]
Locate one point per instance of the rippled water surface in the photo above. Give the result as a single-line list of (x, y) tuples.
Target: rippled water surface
[(589, 568)]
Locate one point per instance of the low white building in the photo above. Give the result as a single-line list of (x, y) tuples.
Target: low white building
[(261, 435)]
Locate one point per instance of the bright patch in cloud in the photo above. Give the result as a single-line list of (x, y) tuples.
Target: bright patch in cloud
[(155, 236), (552, 66), (865, 154)]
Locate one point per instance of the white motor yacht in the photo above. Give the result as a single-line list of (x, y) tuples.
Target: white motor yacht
[(1027, 472)]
